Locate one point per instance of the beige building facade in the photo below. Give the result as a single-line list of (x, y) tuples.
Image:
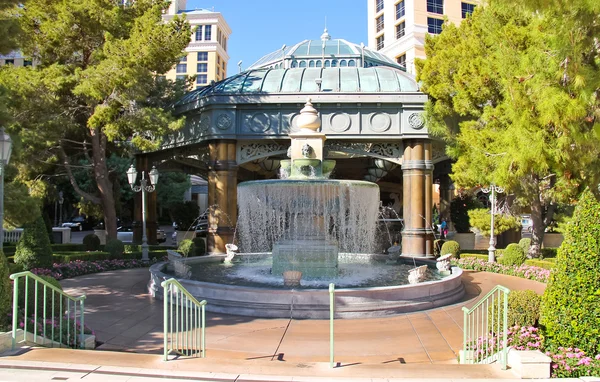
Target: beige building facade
[(206, 56), (15, 58), (397, 28)]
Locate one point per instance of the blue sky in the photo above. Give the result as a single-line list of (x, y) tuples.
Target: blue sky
[(263, 26)]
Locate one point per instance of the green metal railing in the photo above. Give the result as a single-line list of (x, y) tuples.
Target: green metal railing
[(485, 329), (331, 316), (57, 317), (184, 321)]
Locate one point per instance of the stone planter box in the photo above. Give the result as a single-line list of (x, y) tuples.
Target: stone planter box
[(552, 240), (101, 235), (528, 364), (465, 240)]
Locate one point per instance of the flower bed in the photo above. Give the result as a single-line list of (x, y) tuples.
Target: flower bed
[(79, 268), (525, 271)]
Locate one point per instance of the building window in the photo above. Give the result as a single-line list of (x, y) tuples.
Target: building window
[(401, 60), (201, 79), (181, 68), (295, 65), (202, 68), (225, 44), (302, 64), (311, 64), (378, 5), (207, 32), (400, 30), (351, 63), (199, 33), (218, 60), (9, 62), (380, 42), (434, 26), (27, 63), (400, 11), (327, 63), (202, 56), (379, 23), (435, 6), (333, 63), (466, 9), (180, 78), (319, 64), (183, 59), (343, 63)]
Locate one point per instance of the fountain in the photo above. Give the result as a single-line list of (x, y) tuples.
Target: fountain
[(301, 232)]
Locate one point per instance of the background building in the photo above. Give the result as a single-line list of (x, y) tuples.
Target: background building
[(15, 58), (397, 28), (207, 52)]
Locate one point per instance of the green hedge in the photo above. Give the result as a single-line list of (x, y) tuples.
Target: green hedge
[(540, 263), (66, 257), (549, 253)]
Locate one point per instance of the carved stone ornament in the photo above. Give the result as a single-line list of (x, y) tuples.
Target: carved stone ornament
[(415, 120), (223, 122), (204, 124), (248, 151), (388, 150)]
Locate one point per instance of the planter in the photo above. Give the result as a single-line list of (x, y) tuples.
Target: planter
[(465, 240), (552, 240), (101, 235), (292, 278)]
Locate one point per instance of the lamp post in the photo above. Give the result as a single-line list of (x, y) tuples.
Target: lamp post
[(61, 200), (493, 189), (5, 150), (143, 188)]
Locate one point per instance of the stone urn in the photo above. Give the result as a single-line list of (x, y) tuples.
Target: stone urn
[(292, 278)]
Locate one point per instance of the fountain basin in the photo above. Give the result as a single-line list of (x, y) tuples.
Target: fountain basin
[(314, 303)]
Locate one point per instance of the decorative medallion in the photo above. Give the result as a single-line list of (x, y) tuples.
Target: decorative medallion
[(415, 120), (260, 122), (204, 124), (223, 122), (339, 122), (380, 122)]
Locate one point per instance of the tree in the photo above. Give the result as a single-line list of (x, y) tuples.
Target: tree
[(508, 110), (9, 27), (98, 87), (570, 311), (171, 189)]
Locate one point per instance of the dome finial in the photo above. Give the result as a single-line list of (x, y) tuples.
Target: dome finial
[(325, 36)]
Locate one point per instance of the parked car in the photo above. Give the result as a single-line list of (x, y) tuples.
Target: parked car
[(161, 235), (526, 223), (79, 223)]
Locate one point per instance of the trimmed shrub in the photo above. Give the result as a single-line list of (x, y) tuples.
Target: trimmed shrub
[(199, 248), (523, 309), (33, 249), (437, 247), (525, 244), (513, 255), (5, 290), (40, 297), (91, 242), (115, 247), (549, 253), (185, 247), (452, 247), (570, 314), (68, 247), (540, 263)]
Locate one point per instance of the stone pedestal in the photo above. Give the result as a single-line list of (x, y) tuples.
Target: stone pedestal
[(222, 195), (417, 167)]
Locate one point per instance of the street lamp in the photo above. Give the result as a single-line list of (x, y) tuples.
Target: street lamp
[(493, 189), (61, 200), (143, 187), (5, 150)]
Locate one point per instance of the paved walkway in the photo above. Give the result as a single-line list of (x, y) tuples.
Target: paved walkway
[(126, 318)]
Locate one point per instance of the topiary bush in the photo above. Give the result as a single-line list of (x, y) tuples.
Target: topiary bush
[(91, 242), (5, 291), (452, 247), (513, 255), (525, 244), (33, 249), (437, 247), (570, 314), (115, 247), (185, 247), (523, 309), (199, 248)]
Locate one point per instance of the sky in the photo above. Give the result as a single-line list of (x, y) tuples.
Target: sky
[(263, 26)]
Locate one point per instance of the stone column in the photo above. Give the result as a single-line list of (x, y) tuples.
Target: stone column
[(417, 168), (142, 163), (222, 194)]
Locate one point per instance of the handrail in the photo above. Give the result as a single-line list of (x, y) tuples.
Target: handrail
[(59, 315), (182, 329), (485, 329)]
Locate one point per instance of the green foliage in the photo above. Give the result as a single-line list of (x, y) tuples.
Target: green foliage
[(9, 27), (452, 247), (91, 242), (459, 212), (115, 247), (513, 255), (525, 243), (523, 309), (549, 253), (5, 290), (437, 247), (186, 247), (199, 247), (31, 292), (480, 219), (171, 188), (571, 303), (540, 263), (185, 214), (33, 249)]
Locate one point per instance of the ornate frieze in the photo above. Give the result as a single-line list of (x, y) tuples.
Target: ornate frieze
[(249, 151)]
